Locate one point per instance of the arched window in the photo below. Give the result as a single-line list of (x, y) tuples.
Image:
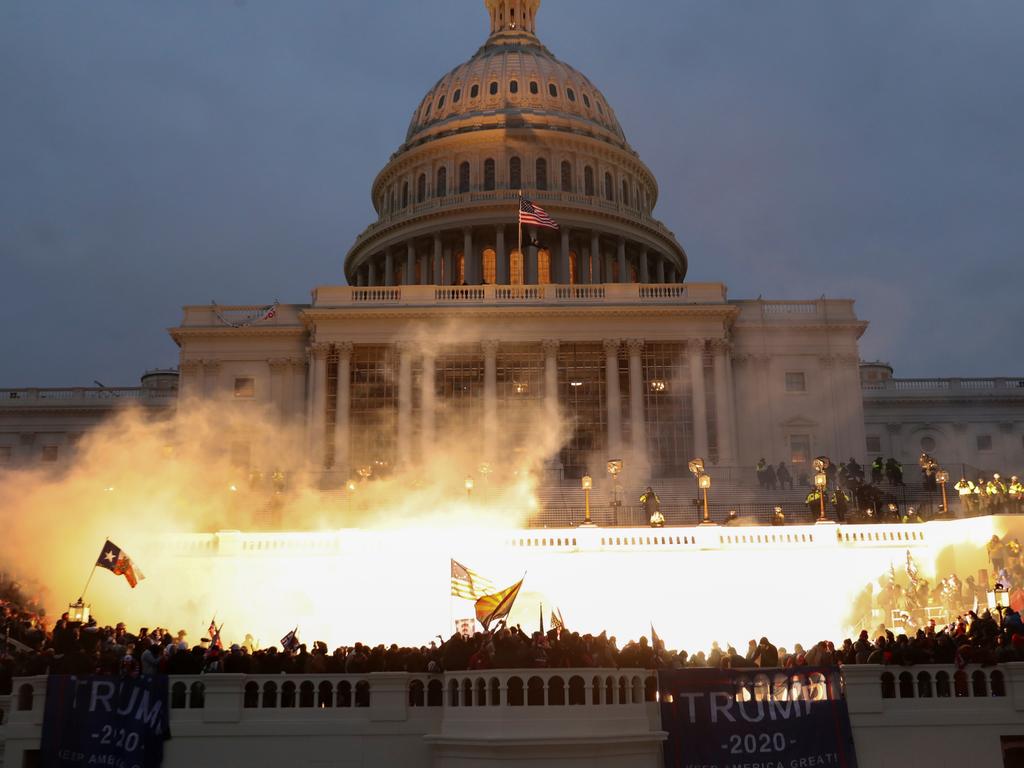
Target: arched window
[(405, 194), (490, 259), (515, 173), (474, 91), (588, 181), (566, 176), (586, 100), (625, 192), (513, 86), (542, 173), (442, 182), (553, 90), (421, 188), (609, 187), (568, 92), (463, 178), (489, 174), (440, 104), (457, 96), (493, 88), (534, 88)]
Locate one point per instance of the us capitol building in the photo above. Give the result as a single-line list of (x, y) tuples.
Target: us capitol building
[(445, 323)]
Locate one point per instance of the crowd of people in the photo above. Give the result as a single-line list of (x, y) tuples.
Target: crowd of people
[(988, 637)]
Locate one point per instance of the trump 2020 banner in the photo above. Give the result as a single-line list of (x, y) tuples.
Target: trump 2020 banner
[(120, 722), (770, 718)]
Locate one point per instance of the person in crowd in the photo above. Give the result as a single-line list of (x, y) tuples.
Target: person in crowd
[(652, 507), (894, 472), (762, 480), (877, 470), (841, 503), (784, 477), (813, 502), (996, 553), (965, 490), (771, 480)]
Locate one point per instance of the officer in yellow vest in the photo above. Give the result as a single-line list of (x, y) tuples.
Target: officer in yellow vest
[(1015, 493), (965, 488)]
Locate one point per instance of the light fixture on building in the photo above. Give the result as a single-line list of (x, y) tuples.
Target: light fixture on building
[(942, 477), (233, 488), (658, 385), (696, 467), (109, 488), (365, 473), (822, 463), (351, 486), (576, 383), (821, 483), (615, 469), (484, 469), (469, 485), (704, 482), (587, 482), (521, 388)]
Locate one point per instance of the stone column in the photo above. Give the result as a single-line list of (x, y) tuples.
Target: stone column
[(695, 349), (189, 383), (405, 350), (469, 258), (449, 266), (279, 369), (438, 259), (428, 398), (595, 258), (645, 270), (389, 267), (502, 268), (490, 347), (563, 258), (660, 272), (371, 272), (343, 407), (636, 400), (410, 264), (551, 377), (318, 415), (623, 268), (211, 374), (611, 386), (724, 403)]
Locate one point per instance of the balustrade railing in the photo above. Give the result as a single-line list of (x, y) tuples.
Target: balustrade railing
[(36, 395)]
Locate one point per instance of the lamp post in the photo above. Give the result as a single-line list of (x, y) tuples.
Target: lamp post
[(614, 469), (350, 486), (820, 482), (942, 477), (704, 482), (469, 486), (587, 482)]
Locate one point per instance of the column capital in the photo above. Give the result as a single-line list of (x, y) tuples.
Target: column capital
[(550, 346), (611, 346), (635, 346), (405, 347), (720, 346), (696, 345), (490, 346), (319, 350), (344, 348)]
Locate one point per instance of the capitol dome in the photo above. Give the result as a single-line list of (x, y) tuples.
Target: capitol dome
[(514, 120)]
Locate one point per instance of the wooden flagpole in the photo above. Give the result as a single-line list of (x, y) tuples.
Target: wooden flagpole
[(519, 218)]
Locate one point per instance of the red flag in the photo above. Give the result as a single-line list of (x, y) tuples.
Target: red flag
[(116, 560)]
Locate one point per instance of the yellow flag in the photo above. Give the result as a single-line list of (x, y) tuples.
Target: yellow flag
[(490, 608)]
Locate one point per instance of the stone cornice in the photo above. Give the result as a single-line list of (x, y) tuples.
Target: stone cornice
[(718, 311)]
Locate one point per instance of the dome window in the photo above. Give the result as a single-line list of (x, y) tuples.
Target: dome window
[(600, 108), (542, 173), (474, 91), (609, 187), (493, 88), (440, 104), (513, 86), (553, 90), (586, 101), (441, 189), (566, 176), (571, 94), (534, 88), (458, 95), (515, 173), (463, 178), (489, 174)]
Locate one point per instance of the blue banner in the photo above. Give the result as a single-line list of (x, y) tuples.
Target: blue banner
[(755, 718), (119, 722)]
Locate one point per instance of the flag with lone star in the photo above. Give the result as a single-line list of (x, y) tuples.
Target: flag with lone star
[(116, 560)]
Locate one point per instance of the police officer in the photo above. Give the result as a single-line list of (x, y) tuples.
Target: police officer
[(652, 508), (877, 470), (965, 489), (1016, 494), (841, 502)]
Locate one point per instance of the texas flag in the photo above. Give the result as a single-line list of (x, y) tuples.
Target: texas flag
[(116, 560)]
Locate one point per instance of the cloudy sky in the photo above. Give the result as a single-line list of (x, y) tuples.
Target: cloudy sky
[(155, 154)]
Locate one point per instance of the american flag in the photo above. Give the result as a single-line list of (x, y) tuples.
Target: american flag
[(468, 584), (531, 213)]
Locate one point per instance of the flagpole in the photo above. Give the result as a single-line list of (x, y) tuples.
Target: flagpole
[(88, 581), (519, 218)]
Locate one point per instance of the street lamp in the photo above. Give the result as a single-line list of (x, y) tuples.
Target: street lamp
[(942, 477), (820, 482), (587, 482), (469, 486), (704, 482), (615, 469)]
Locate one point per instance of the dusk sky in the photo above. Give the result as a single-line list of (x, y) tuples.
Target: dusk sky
[(156, 154)]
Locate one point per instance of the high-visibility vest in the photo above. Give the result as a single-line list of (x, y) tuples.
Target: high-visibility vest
[(964, 488), (1016, 489)]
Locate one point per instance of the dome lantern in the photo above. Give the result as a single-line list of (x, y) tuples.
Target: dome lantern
[(513, 15)]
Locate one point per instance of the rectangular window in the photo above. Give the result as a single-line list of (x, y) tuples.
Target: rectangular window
[(796, 381), (799, 449), (984, 442), (874, 444), (50, 453), (245, 387), (5, 454)]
